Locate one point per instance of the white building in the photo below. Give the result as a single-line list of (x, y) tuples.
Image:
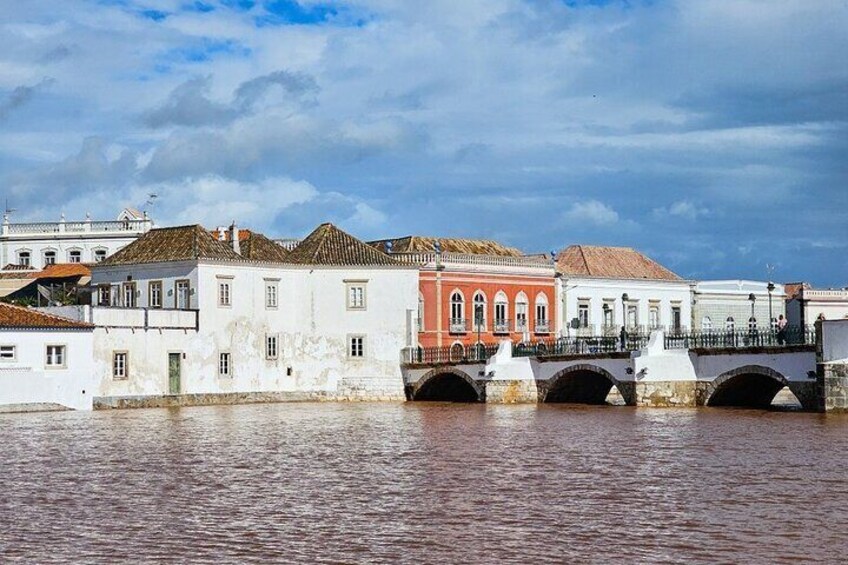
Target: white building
[(736, 305), (186, 313), (39, 244), (806, 305), (45, 361), (602, 289)]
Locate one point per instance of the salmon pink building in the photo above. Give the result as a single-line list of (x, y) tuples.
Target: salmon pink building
[(474, 291)]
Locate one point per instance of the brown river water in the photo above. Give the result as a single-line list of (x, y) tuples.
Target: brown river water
[(423, 483)]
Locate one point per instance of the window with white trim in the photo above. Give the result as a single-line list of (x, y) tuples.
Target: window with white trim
[(224, 365), (24, 258), (154, 294), (104, 295), (55, 356), (271, 294), (99, 255), (8, 353), (129, 295), (356, 296), (583, 314), (224, 292), (271, 346), (356, 347), (74, 256), (120, 367), (49, 257)]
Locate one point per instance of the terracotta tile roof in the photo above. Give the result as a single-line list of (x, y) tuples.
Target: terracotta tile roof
[(181, 243), (610, 262), (328, 245), (421, 244), (257, 247), (12, 316), (64, 270)]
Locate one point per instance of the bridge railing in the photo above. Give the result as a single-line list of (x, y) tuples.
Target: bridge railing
[(747, 337), (579, 345), (453, 354)]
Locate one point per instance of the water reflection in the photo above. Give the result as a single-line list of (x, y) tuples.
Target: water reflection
[(429, 482)]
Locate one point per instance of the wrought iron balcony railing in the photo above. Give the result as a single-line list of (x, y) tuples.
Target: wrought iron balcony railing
[(543, 327), (501, 327), (458, 326)]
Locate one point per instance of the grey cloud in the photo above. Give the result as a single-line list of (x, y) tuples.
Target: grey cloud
[(189, 103), (20, 96), (56, 54)]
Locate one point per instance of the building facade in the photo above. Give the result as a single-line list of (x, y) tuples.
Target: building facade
[(46, 361), (726, 305), (477, 291), (806, 305), (184, 313), (41, 244), (602, 289)]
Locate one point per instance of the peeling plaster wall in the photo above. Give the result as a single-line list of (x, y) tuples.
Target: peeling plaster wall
[(312, 323)]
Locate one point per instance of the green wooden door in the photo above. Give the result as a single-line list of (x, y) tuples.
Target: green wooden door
[(174, 373)]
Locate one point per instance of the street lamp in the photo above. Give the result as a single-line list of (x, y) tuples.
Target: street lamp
[(478, 318), (753, 300), (624, 299), (770, 289), (606, 311)]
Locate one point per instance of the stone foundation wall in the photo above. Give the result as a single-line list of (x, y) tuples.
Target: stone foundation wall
[(832, 385), (666, 394), (212, 399), (512, 392)]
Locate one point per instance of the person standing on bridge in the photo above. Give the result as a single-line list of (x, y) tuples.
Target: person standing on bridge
[(781, 329)]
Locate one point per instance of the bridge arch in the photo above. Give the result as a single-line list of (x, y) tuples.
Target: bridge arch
[(447, 384), (584, 384), (751, 386)]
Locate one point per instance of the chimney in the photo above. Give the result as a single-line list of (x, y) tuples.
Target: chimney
[(234, 238), (222, 233)]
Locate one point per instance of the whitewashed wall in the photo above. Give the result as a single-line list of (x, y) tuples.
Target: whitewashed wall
[(312, 323), (641, 293), (27, 380)]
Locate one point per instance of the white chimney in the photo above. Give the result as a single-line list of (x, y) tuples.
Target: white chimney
[(222, 233), (234, 238)]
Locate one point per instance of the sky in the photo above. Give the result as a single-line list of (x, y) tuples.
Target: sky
[(712, 136)]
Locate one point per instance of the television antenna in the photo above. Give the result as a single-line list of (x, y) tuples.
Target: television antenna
[(9, 210)]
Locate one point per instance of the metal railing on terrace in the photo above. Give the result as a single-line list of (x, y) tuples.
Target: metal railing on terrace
[(749, 337)]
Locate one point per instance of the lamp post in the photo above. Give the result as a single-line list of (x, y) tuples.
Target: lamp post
[(478, 319), (770, 289), (753, 300), (606, 311), (624, 299)]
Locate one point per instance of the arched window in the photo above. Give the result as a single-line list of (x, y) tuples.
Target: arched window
[(521, 312), (420, 312), (729, 324), (752, 324), (706, 323), (457, 312), (479, 310), (49, 257), (543, 324), (501, 313)]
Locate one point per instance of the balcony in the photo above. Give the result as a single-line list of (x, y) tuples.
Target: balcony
[(543, 326), (501, 327), (458, 326), (521, 326)]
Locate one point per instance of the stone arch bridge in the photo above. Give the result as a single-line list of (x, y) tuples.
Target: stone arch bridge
[(650, 376)]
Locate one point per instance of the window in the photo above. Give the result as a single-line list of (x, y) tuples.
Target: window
[(224, 291), (609, 314), (654, 315), (120, 369), (224, 367), (356, 295), (24, 258), (676, 320), (542, 323), (74, 256), (480, 311), (129, 294), (583, 314), (8, 353), (356, 347), (154, 294), (729, 324), (632, 315), (706, 323), (183, 295), (420, 312), (104, 295), (521, 312), (99, 255), (55, 356), (501, 313), (271, 349), (271, 289), (457, 312), (774, 327), (49, 258)]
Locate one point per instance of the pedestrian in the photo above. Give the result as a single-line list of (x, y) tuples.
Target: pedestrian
[(623, 337), (781, 329)]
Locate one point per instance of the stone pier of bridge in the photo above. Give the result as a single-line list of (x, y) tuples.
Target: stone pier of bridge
[(817, 375)]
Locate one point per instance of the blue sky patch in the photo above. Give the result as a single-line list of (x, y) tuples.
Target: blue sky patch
[(155, 15)]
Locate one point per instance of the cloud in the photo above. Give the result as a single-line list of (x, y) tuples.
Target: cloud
[(21, 95), (682, 209), (593, 212)]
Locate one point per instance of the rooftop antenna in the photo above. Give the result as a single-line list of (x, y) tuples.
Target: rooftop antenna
[(9, 210), (151, 199)]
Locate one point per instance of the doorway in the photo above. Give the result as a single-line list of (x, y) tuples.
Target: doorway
[(174, 360)]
